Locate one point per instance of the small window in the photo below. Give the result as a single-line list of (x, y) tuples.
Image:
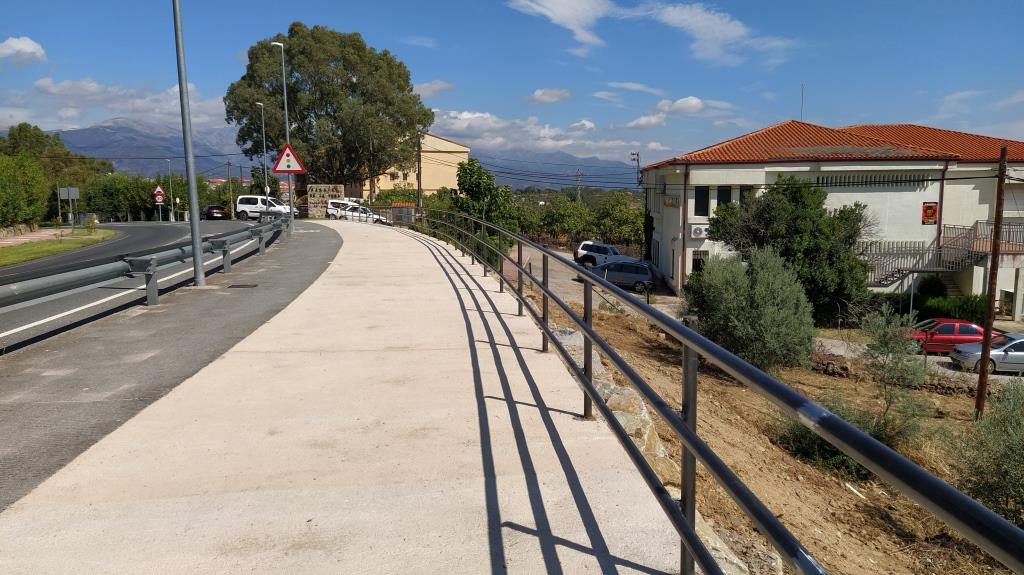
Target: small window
[(746, 194), (1016, 348), (699, 257), (701, 200), (613, 251), (969, 330), (945, 329), (724, 194), (394, 176)]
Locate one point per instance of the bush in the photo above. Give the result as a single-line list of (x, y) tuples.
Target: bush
[(993, 464), (899, 427), (930, 287), (968, 307), (758, 311)]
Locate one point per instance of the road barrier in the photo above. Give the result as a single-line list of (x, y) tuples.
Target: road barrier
[(140, 264), (491, 245)]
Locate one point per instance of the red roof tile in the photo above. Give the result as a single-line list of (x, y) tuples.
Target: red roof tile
[(969, 147), (794, 141)]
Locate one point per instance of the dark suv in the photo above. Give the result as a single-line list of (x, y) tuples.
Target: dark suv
[(214, 213)]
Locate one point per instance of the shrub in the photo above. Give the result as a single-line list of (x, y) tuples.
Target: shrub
[(930, 286), (968, 307), (758, 311), (993, 465)]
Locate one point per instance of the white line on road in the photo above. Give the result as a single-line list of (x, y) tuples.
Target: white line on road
[(129, 291)]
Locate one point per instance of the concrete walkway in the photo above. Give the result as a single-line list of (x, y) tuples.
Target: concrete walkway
[(38, 235), (396, 417)]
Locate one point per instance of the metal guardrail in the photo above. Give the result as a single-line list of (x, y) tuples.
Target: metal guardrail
[(145, 264), (491, 245)]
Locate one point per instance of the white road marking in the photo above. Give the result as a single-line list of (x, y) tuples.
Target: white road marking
[(111, 298)]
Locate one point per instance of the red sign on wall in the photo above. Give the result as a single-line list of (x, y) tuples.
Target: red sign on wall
[(929, 213)]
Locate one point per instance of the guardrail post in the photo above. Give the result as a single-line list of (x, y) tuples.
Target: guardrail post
[(519, 274), (259, 240), (501, 263), (588, 345), (224, 248), (147, 268), (544, 316), (688, 479)]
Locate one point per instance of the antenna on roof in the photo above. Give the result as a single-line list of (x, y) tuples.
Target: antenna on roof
[(801, 101)]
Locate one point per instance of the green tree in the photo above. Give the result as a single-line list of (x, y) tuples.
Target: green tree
[(352, 109), (820, 244), (757, 310), (562, 217), (617, 220), (992, 468), (23, 191), (478, 195)]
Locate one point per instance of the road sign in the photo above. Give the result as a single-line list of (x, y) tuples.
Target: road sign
[(288, 162), (158, 196), (67, 193)]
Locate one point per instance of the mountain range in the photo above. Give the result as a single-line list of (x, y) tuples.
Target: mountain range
[(141, 147)]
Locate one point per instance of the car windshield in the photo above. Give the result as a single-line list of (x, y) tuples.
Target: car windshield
[(999, 341), (925, 325), (613, 251), (274, 202)]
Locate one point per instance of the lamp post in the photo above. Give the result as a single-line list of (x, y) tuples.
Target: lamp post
[(266, 183), (287, 138), (170, 187)]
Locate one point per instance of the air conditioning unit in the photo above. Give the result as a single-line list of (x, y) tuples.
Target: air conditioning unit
[(699, 232)]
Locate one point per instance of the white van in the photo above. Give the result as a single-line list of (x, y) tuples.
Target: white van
[(251, 206), (336, 208)]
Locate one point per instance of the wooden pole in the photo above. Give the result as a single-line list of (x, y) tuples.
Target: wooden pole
[(993, 273)]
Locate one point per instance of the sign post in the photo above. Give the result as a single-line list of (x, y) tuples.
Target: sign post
[(158, 198), (68, 194), (289, 163)]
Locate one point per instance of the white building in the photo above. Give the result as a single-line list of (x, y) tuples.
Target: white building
[(899, 171)]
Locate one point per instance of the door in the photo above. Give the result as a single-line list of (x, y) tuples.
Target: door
[(942, 338), (614, 273), (967, 333), (1011, 358)]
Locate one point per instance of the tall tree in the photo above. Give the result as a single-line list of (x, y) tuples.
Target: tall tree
[(352, 109), (479, 195), (818, 243)]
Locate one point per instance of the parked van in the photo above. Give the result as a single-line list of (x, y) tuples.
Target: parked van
[(252, 206), (336, 208)]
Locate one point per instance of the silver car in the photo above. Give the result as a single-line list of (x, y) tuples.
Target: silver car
[(634, 275), (1007, 354)]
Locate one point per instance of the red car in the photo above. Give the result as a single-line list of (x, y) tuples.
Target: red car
[(940, 335)]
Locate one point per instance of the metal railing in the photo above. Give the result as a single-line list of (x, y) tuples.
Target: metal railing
[(891, 261), (25, 289), (491, 245)]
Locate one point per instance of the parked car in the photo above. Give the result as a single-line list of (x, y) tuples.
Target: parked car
[(591, 254), (633, 275), (361, 214), (335, 208), (252, 206), (940, 335), (1007, 354), (213, 213)]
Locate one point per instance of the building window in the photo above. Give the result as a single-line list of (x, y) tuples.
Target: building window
[(394, 176), (700, 257), (724, 194), (656, 253), (746, 194), (701, 201)]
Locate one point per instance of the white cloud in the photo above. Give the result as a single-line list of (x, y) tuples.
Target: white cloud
[(583, 125), (1013, 99), (687, 105), (421, 41), (549, 95), (607, 96), (637, 87), (647, 121), (10, 116), (69, 114), (432, 89), (656, 146), (486, 131), (955, 104), (716, 36), (22, 50), (770, 96)]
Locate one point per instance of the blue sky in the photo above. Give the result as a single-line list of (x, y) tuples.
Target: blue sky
[(589, 77)]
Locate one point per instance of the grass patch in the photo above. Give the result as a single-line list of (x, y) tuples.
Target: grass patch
[(10, 255), (852, 335)]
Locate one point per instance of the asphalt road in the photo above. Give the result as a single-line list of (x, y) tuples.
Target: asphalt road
[(63, 394), (132, 237)]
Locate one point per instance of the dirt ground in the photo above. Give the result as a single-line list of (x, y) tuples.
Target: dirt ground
[(851, 528)]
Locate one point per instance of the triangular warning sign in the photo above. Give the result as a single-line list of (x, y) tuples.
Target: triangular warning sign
[(158, 190), (288, 162)]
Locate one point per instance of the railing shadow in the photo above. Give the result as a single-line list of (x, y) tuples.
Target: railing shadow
[(494, 321)]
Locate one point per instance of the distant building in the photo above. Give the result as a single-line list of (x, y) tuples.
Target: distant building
[(440, 158), (929, 191)]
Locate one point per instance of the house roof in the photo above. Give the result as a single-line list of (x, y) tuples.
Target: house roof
[(794, 141), (449, 140), (968, 147)]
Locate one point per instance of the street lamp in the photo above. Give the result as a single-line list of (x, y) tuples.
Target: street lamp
[(287, 137), (266, 183), (170, 187)]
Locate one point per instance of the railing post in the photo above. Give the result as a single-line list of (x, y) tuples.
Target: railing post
[(519, 274), (688, 478), (472, 250), (588, 345), (263, 246), (501, 263), (147, 267), (225, 254), (544, 282)]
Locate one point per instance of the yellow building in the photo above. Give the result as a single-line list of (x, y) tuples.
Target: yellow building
[(440, 158)]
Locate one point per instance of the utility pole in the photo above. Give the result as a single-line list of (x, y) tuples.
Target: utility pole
[(231, 195), (579, 178), (170, 187), (287, 139), (419, 172), (190, 162), (993, 273), (369, 171)]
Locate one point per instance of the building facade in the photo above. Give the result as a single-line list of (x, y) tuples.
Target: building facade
[(930, 194), (439, 161)]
